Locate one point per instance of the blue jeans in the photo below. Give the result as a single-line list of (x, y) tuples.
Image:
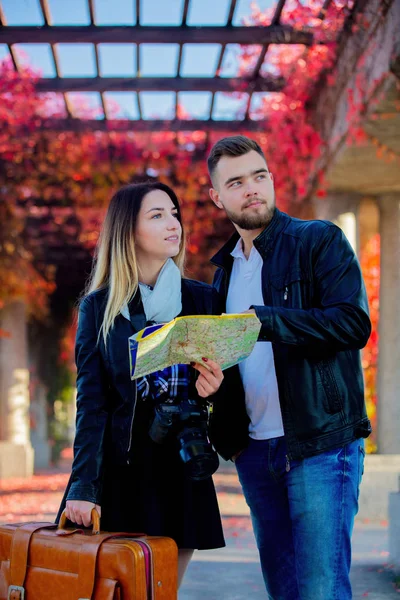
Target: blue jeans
[(303, 514)]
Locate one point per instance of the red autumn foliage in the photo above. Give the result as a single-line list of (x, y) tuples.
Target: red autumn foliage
[(370, 264), (81, 171)]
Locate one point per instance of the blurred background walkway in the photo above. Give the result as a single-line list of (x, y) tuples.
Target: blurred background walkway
[(231, 573)]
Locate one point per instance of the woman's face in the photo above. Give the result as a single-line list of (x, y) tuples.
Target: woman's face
[(158, 232)]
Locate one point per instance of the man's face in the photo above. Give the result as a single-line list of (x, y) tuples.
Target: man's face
[(244, 188)]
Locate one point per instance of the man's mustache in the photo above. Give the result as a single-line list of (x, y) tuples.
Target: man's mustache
[(256, 199)]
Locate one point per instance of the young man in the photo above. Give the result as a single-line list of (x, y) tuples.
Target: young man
[(293, 414)]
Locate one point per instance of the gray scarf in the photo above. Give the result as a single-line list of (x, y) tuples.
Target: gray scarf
[(164, 302)]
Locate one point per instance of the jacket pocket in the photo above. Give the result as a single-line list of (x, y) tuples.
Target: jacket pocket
[(333, 402), (290, 290)]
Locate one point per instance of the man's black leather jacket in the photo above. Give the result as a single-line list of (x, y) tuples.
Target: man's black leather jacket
[(315, 314)]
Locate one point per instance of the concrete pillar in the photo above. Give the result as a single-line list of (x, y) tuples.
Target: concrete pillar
[(367, 220), (348, 223), (341, 209), (389, 328), (394, 527), (16, 453), (39, 432)]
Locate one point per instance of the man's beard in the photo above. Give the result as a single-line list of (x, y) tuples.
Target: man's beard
[(255, 221)]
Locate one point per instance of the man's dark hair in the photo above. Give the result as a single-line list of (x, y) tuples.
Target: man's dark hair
[(235, 145)]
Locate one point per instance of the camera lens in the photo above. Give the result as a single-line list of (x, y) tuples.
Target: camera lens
[(200, 459)]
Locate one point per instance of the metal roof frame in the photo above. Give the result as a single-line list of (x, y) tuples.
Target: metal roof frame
[(275, 33)]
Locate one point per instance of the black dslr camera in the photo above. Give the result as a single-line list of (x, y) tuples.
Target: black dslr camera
[(188, 421)]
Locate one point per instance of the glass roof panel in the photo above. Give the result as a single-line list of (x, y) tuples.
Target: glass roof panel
[(244, 9), (37, 56), (278, 56), (158, 105), (123, 12), (85, 105), (121, 105), (76, 60), (117, 60), (257, 100), (161, 12), (229, 106), (200, 60), (194, 105), (239, 60), (158, 60), (311, 9), (208, 12), (4, 53), (54, 105), (73, 12), (29, 13)]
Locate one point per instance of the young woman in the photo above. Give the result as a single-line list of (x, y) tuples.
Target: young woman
[(136, 483)]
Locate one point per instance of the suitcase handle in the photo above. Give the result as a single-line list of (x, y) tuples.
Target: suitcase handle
[(87, 559), (62, 530)]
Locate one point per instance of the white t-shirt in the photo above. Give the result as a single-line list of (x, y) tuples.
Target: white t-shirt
[(258, 370)]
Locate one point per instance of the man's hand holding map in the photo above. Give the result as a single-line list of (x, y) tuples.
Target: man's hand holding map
[(227, 339)]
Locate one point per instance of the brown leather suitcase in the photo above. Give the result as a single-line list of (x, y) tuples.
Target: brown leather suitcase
[(40, 561)]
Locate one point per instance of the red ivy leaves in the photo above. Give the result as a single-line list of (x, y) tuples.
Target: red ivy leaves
[(370, 264)]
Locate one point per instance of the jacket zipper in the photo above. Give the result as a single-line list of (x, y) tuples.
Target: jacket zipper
[(131, 428), (285, 295)]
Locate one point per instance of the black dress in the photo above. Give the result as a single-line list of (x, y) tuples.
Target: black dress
[(151, 494)]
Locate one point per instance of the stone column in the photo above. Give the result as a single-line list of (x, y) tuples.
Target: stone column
[(39, 433), (341, 209), (389, 328), (348, 223), (367, 220), (16, 454)]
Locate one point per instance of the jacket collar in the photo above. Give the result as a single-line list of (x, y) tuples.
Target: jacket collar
[(136, 312), (263, 242)]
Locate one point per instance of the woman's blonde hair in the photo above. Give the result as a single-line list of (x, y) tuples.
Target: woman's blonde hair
[(115, 264)]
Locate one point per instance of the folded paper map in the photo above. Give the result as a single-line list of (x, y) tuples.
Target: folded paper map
[(226, 339)]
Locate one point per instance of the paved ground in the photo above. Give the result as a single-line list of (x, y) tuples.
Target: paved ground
[(232, 573)]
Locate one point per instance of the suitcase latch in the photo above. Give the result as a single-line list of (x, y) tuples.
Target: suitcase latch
[(19, 592)]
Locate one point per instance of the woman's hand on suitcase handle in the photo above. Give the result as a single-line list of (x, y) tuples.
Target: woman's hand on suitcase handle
[(209, 379), (79, 511)]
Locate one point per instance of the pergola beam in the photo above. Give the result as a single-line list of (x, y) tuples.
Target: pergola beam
[(138, 12), (159, 84), (3, 23), (141, 34), (231, 12), (324, 9), (185, 12), (81, 125)]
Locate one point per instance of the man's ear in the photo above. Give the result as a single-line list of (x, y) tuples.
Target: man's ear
[(271, 175), (214, 195)]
